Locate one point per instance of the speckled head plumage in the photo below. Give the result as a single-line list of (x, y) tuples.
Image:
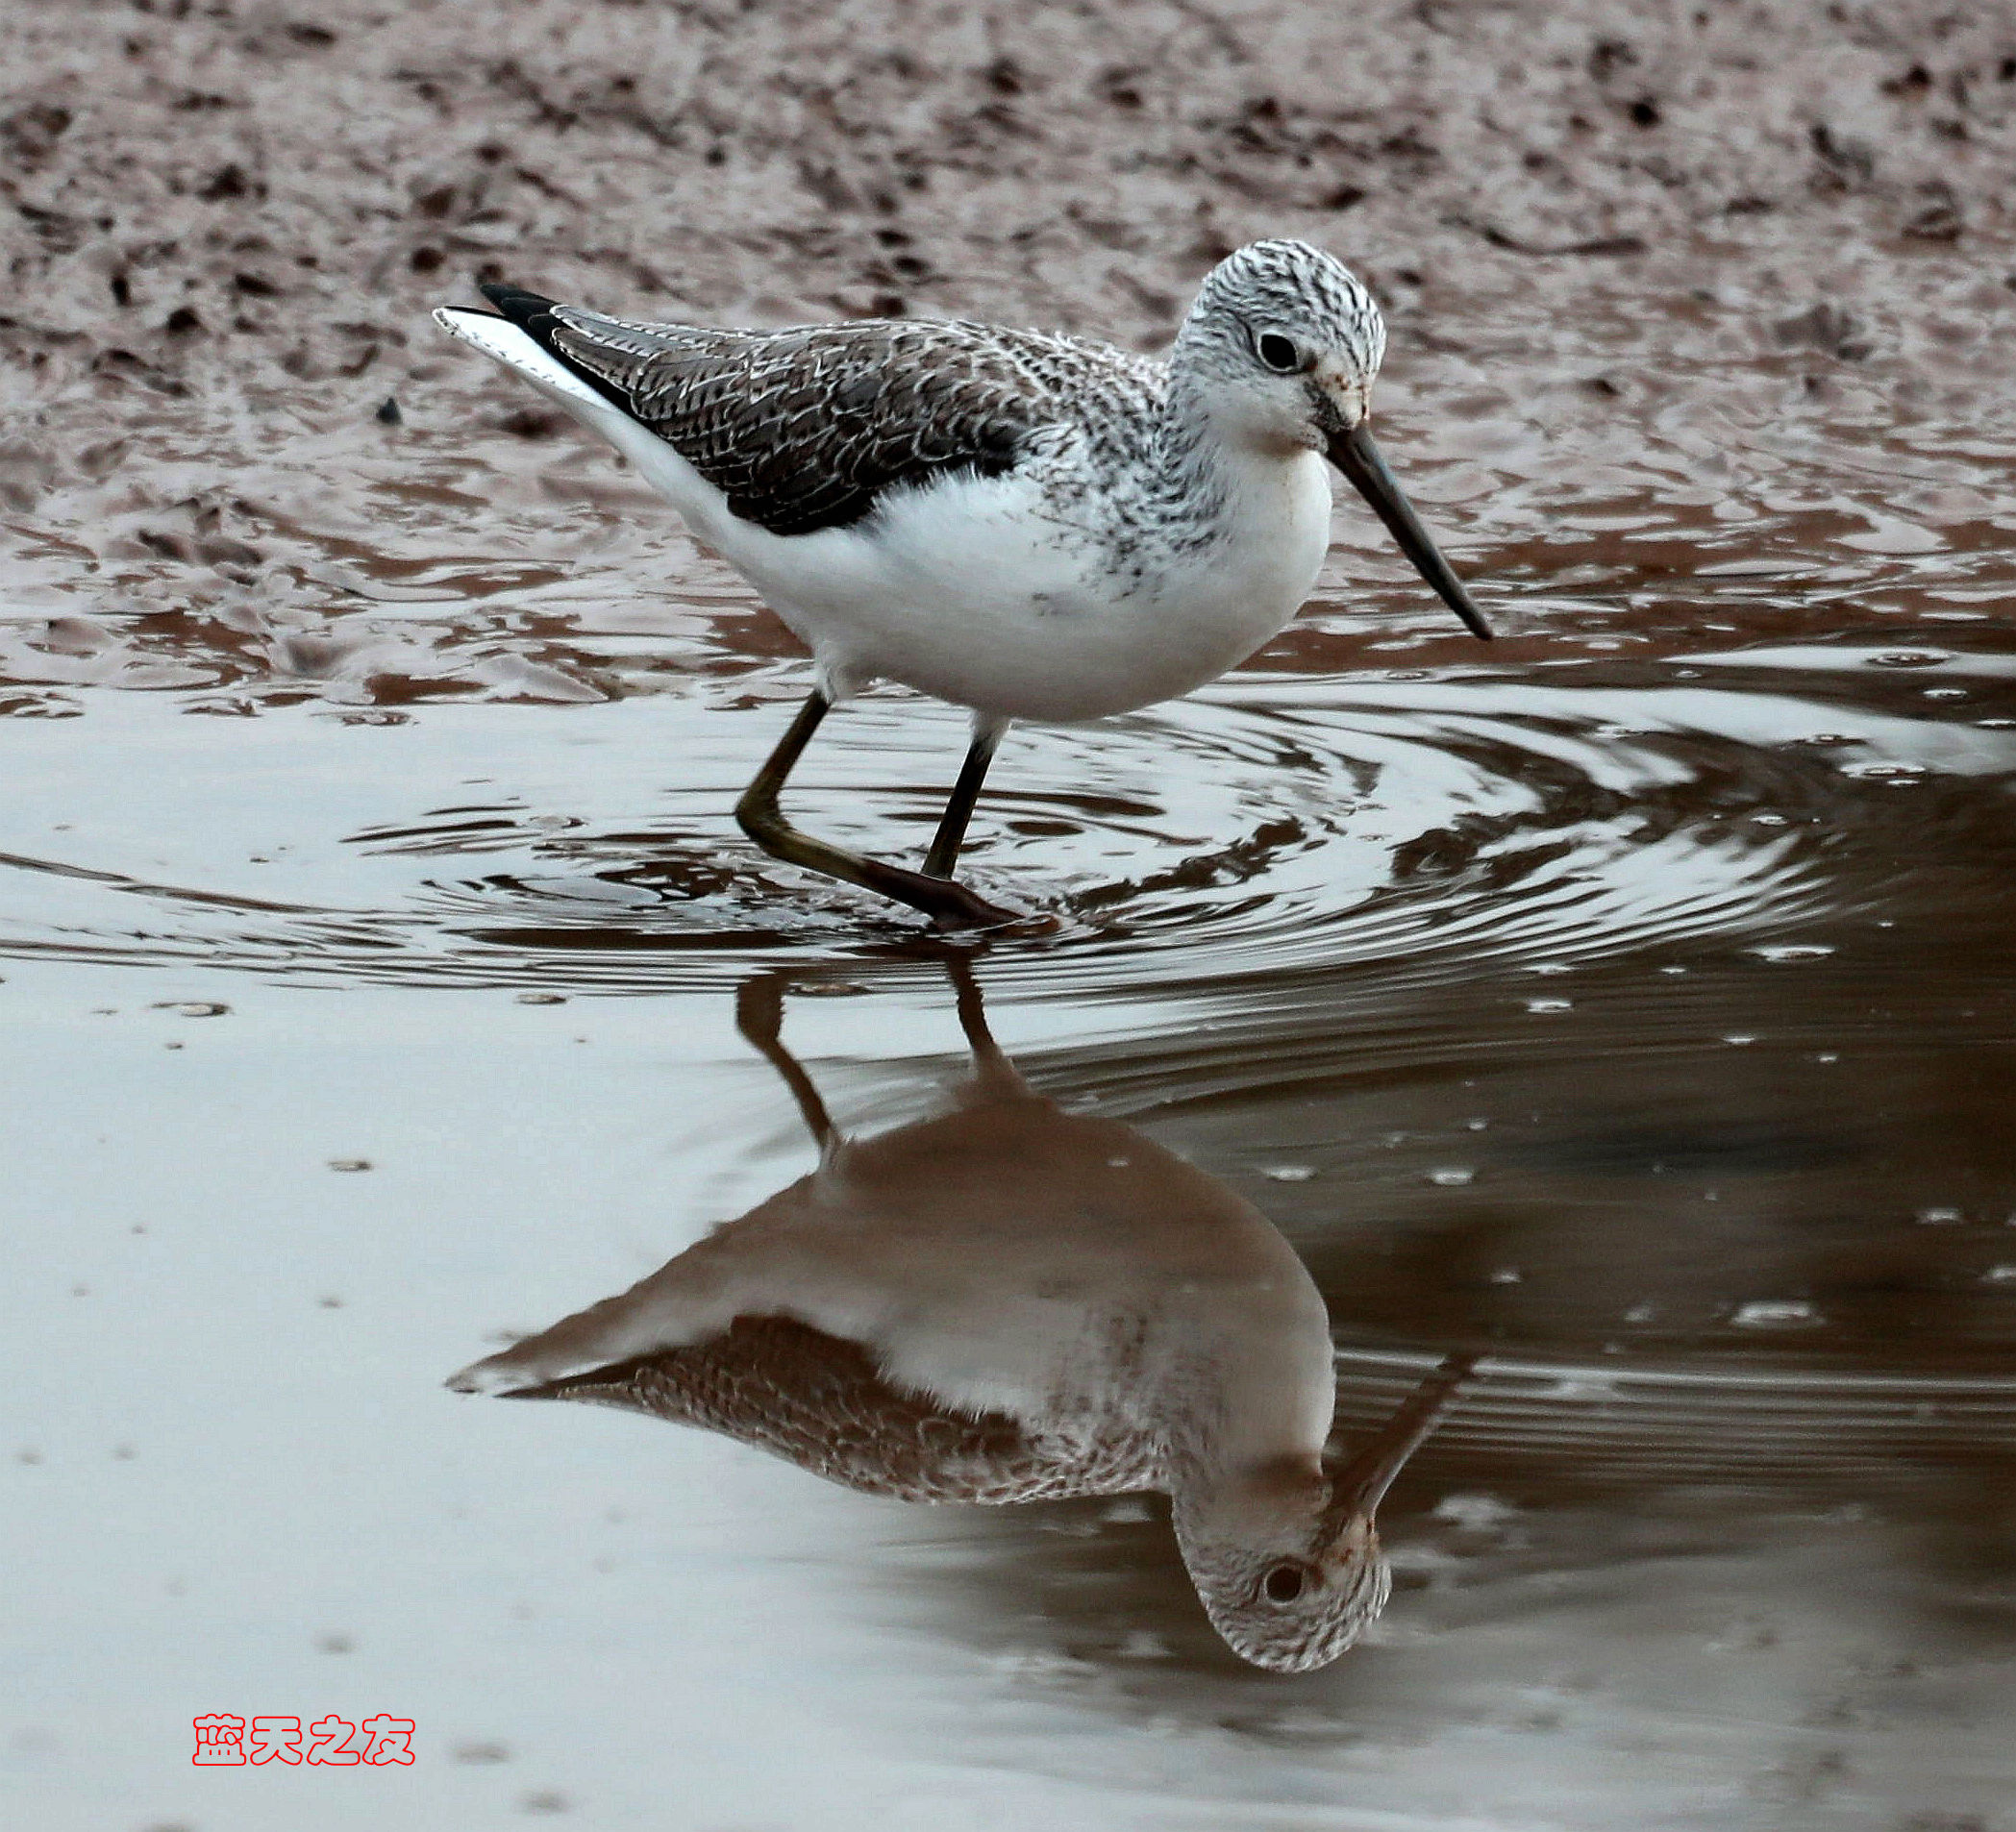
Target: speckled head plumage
[(1282, 329), (1285, 1557), (1291, 1600)]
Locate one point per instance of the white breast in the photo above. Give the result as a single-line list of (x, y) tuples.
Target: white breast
[(971, 590)]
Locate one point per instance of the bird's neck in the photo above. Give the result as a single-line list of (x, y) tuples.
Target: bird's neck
[(1211, 466), (1237, 1503)]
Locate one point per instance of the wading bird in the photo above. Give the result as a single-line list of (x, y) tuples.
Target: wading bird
[(1029, 525)]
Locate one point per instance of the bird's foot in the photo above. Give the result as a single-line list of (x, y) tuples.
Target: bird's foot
[(958, 910)]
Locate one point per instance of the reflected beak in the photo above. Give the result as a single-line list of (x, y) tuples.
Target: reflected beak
[(1361, 1484), (1354, 455)]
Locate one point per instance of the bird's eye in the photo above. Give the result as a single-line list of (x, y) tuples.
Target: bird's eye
[(1284, 1583), (1279, 353)]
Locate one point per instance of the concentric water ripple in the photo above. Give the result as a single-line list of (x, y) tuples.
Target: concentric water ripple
[(1272, 826)]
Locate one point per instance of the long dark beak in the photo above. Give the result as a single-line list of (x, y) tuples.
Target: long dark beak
[(1354, 455), (1361, 1484)]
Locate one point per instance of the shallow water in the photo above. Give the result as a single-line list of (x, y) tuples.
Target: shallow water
[(1630, 1004)]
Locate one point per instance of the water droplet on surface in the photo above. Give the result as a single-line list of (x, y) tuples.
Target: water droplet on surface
[(1908, 658), (1142, 1643), (1777, 1313), (1478, 1512)]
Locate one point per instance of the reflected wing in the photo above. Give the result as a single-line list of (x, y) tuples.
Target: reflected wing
[(823, 1403), (805, 429)]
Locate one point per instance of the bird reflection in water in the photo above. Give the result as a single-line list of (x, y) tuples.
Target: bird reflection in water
[(1008, 1303)]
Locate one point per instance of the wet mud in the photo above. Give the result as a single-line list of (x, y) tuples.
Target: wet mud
[(1628, 1006)]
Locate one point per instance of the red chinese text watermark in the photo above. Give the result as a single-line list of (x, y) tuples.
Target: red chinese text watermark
[(225, 1741)]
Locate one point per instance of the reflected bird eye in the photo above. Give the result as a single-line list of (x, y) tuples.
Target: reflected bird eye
[(1283, 1584)]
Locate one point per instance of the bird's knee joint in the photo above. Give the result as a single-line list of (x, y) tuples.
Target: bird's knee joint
[(760, 817)]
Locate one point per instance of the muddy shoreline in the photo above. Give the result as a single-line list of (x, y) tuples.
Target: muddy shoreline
[(226, 226)]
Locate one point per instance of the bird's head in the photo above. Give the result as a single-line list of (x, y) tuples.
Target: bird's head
[(1280, 349), (1289, 1586), (1290, 342), (1285, 1556)]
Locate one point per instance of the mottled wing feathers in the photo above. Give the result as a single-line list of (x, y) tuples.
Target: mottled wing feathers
[(822, 1403), (805, 429)]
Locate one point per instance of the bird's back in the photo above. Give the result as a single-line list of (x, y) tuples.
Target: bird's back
[(805, 428)]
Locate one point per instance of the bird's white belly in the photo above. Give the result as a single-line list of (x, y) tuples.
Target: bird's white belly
[(968, 590)]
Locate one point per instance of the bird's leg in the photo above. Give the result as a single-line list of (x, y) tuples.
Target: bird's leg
[(950, 904), (945, 844), (759, 1018)]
